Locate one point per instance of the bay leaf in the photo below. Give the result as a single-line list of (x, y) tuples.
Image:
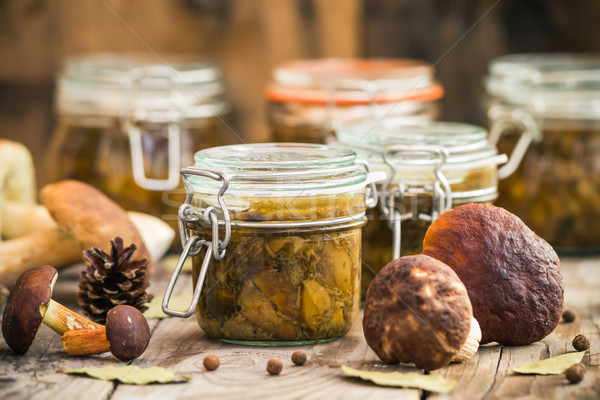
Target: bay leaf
[(551, 366), (179, 302), (432, 382), (129, 374), (170, 262)]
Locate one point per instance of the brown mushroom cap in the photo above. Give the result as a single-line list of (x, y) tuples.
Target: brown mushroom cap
[(91, 217), (127, 331), (417, 310), (512, 275), (26, 306)]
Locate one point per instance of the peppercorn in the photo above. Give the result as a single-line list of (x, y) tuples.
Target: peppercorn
[(211, 362), (581, 342), (569, 315), (575, 373), (274, 366), (299, 357)]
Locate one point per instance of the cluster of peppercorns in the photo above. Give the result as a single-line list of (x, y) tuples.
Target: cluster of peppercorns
[(274, 366)]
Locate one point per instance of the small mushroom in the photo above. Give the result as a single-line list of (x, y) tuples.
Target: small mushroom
[(126, 336), (417, 310), (30, 304), (85, 218)]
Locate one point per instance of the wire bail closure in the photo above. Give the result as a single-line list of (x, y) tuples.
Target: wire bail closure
[(193, 245), (440, 190), (168, 117)]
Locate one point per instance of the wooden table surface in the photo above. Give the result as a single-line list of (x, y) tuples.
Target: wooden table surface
[(180, 345)]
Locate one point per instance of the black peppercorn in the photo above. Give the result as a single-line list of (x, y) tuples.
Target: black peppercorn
[(274, 366), (575, 373), (581, 342), (569, 315)]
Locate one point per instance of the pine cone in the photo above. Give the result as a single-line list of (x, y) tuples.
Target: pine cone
[(112, 280)]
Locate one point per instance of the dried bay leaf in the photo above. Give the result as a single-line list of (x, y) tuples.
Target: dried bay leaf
[(432, 382), (179, 302), (551, 366), (130, 374)]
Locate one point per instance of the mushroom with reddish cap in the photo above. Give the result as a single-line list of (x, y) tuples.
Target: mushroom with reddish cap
[(30, 304), (512, 275), (126, 335), (85, 217), (417, 310)]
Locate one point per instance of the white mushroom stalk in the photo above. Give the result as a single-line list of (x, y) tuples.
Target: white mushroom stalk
[(17, 175), (471, 345)]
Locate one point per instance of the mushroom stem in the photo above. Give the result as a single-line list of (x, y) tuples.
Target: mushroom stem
[(61, 319), (48, 246), (23, 219), (85, 342), (471, 345)]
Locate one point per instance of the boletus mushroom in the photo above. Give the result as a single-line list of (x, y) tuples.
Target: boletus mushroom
[(84, 217), (512, 275), (126, 336), (417, 310), (30, 304)]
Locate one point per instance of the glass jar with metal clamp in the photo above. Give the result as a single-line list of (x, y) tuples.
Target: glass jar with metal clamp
[(430, 168), (128, 123), (274, 232), (545, 110), (307, 99)]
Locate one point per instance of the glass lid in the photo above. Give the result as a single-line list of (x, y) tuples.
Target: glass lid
[(353, 81), (557, 83), (117, 83), (416, 146), (280, 167)]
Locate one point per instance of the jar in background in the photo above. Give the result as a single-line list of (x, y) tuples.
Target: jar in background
[(430, 168), (127, 124), (308, 99), (545, 109), (274, 231)]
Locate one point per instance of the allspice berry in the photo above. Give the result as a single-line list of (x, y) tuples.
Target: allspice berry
[(581, 342), (274, 366), (575, 373), (569, 315), (299, 357), (211, 362)]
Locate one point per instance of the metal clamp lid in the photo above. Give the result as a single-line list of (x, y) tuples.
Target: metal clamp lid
[(440, 190), (192, 246)]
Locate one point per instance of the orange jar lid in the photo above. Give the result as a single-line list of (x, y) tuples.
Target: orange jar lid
[(353, 81)]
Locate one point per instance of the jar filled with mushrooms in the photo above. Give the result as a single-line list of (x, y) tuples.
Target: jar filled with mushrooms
[(274, 232), (430, 168), (308, 99), (544, 110), (127, 124)]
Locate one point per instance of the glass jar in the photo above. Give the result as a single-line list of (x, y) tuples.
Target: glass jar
[(127, 124), (545, 109), (430, 168), (307, 99), (274, 231)]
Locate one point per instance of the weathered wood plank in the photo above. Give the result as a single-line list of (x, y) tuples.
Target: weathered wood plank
[(489, 374)]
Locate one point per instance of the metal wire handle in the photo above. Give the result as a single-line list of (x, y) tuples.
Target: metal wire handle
[(504, 120), (441, 191), (192, 246)]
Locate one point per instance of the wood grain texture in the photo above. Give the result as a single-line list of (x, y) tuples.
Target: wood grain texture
[(181, 345)]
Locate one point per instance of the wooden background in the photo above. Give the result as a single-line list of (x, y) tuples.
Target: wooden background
[(249, 37)]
